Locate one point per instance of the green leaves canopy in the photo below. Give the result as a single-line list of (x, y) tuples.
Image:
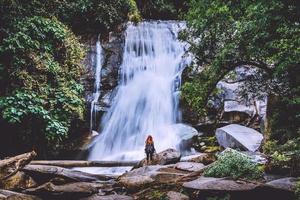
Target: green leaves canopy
[(42, 62), (227, 34)]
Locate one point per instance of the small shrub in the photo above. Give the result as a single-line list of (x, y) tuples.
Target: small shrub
[(284, 159), (157, 195), (233, 164)]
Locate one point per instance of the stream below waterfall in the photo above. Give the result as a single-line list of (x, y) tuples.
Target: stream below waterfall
[(147, 95)]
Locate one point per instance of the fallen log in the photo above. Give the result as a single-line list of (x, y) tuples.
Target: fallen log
[(74, 190), (47, 172), (6, 194), (83, 163), (10, 166)]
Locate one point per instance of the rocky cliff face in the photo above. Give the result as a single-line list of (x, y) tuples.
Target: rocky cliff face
[(229, 105), (112, 45)]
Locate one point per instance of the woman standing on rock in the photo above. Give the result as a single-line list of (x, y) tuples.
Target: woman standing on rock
[(149, 148)]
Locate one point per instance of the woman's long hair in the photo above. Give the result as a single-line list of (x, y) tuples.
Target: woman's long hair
[(149, 140)]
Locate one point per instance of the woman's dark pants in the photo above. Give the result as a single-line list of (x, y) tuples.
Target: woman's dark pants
[(149, 157)]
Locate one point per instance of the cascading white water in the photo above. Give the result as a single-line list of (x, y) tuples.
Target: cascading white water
[(96, 94), (146, 100)]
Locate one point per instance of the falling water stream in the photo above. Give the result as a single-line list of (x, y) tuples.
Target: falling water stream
[(146, 100), (96, 94)]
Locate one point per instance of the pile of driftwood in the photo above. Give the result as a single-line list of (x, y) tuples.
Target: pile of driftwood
[(22, 178)]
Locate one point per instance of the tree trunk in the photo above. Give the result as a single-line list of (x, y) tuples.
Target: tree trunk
[(271, 104)]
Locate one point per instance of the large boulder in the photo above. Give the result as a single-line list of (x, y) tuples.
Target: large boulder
[(205, 158), (172, 195), (204, 187), (257, 157), (288, 183), (144, 176), (190, 166), (237, 136), (219, 184), (233, 101), (185, 133), (108, 197), (169, 156)]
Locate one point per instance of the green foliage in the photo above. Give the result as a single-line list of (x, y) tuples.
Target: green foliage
[(162, 9), (83, 16), (233, 164), (284, 158), (227, 34), (134, 15), (42, 71), (284, 118), (40, 63), (93, 16)]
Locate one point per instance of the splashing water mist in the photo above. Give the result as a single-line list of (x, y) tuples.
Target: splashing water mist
[(146, 100)]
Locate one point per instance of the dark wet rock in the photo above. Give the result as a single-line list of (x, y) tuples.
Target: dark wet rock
[(241, 137)]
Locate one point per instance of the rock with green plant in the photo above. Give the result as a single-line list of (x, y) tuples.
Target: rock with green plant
[(206, 144), (234, 164)]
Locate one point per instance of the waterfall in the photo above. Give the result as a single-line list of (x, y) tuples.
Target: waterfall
[(96, 94), (146, 100)]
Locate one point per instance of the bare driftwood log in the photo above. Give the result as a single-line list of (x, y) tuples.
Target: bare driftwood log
[(6, 194), (10, 166), (48, 172), (83, 163), (75, 190)]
